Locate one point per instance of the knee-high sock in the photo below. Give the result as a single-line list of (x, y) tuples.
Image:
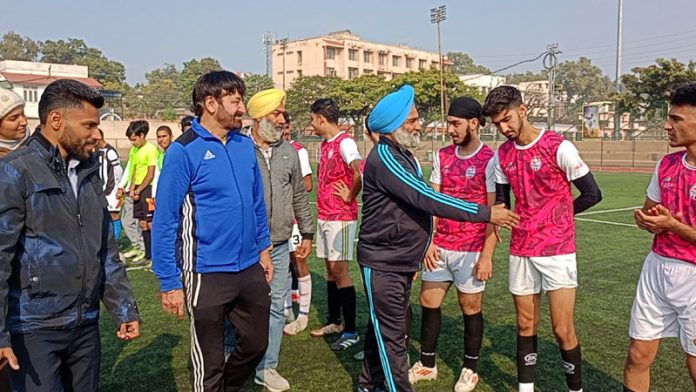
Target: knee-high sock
[(305, 284), (431, 322), (347, 297), (147, 239), (572, 365), (526, 358), (473, 337), (334, 303)]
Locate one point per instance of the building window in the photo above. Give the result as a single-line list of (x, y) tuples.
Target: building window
[(368, 71), (422, 64), (352, 73), (289, 72), (331, 53), (409, 62), (395, 61), (299, 57), (353, 54), (367, 57), (280, 72), (330, 71), (382, 59), (31, 94), (299, 73)]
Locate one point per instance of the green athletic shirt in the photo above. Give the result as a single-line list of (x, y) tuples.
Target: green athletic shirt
[(160, 159), (140, 159)]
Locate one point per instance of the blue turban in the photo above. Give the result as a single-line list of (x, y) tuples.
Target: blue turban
[(391, 111)]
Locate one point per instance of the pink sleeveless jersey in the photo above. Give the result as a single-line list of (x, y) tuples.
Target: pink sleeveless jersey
[(543, 198), (332, 169), (464, 179), (678, 192)]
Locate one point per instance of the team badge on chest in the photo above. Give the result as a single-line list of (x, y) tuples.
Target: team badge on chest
[(692, 192), (535, 164), (330, 154), (470, 172)]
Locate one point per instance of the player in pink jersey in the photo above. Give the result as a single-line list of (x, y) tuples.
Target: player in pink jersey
[(461, 252), (337, 213), (298, 267), (665, 303), (539, 165)]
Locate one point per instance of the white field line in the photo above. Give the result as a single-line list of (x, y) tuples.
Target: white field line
[(607, 211), (605, 222)]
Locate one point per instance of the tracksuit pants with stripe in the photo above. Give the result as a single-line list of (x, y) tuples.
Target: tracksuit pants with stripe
[(388, 298), (244, 298)]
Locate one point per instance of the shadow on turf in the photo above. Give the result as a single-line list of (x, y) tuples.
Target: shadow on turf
[(500, 340), (141, 370)]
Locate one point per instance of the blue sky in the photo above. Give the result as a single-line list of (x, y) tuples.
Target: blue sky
[(145, 34)]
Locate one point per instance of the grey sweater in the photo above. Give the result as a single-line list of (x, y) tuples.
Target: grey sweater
[(284, 192)]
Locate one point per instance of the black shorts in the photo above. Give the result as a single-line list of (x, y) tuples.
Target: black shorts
[(141, 210)]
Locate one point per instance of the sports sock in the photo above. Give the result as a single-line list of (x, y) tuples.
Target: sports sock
[(334, 303), (305, 284), (431, 321), (147, 239), (526, 358), (473, 337), (347, 298), (117, 229), (572, 365)]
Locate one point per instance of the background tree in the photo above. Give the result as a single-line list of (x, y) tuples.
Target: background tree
[(255, 83), (582, 81), (357, 96), (529, 76), (303, 92), (16, 47), (646, 90), (193, 70), (462, 64), (75, 51), (426, 84)]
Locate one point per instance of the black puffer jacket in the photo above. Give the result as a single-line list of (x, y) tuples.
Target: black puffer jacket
[(58, 254)]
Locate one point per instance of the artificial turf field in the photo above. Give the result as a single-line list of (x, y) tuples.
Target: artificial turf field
[(610, 254)]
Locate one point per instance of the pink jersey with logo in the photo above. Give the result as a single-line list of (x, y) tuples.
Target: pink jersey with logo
[(333, 169), (464, 179), (677, 184), (543, 198)]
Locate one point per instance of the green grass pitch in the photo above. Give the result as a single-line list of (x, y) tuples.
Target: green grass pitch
[(609, 262)]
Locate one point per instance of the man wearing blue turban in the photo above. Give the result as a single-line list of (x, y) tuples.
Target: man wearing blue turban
[(398, 206)]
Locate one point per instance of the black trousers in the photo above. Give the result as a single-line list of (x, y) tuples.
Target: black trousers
[(244, 298), (61, 360), (386, 363)]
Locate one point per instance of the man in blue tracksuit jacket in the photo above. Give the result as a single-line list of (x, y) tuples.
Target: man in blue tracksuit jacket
[(210, 236)]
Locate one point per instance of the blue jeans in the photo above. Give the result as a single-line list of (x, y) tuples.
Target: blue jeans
[(279, 285)]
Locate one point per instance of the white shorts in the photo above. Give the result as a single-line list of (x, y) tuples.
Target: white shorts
[(457, 267), (336, 240), (530, 275), (665, 303), (295, 238)]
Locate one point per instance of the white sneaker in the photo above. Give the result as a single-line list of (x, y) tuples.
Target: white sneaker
[(297, 326), (327, 329), (273, 381), (467, 381), (418, 372)]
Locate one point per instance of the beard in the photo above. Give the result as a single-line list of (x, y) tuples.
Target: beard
[(467, 137), (269, 132), (407, 139), (228, 120), (76, 148)]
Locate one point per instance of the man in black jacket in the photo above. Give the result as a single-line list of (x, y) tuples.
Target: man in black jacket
[(58, 253), (398, 206)]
